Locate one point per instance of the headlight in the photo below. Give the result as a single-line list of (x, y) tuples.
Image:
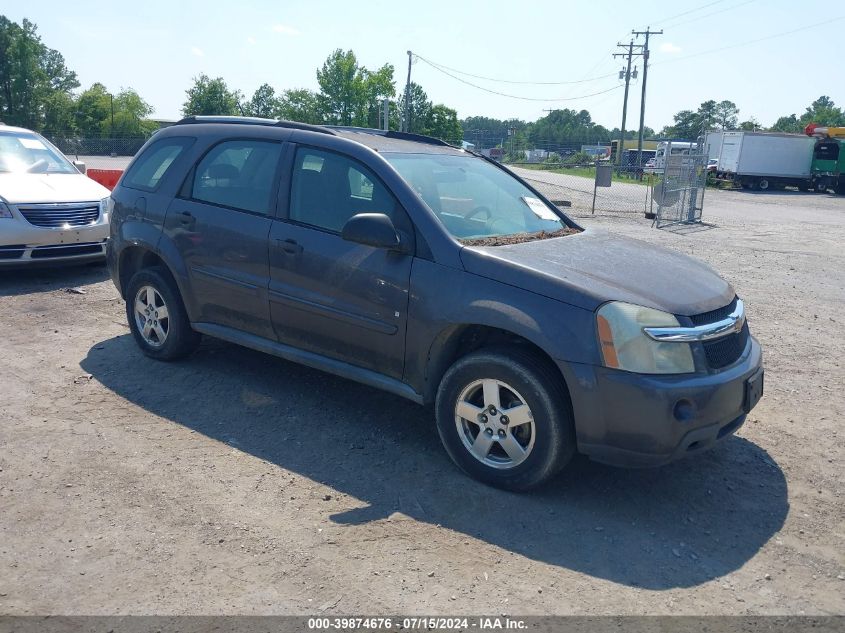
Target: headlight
[(5, 211), (625, 346), (106, 205)]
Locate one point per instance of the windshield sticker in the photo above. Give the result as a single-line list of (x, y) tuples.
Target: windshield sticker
[(31, 143), (540, 210)]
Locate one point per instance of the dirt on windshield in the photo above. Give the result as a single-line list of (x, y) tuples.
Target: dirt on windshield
[(518, 238)]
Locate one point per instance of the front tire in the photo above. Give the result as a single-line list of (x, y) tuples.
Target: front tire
[(504, 418), (157, 316)]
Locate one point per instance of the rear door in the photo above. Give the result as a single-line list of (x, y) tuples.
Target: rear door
[(220, 224), (342, 300)]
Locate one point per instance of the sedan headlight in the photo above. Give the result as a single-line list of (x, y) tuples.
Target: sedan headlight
[(625, 346), (5, 211), (106, 205)]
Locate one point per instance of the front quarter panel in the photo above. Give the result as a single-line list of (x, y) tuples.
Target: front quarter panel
[(443, 298)]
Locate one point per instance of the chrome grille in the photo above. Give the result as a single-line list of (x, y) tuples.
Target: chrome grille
[(60, 215), (726, 350), (706, 318)]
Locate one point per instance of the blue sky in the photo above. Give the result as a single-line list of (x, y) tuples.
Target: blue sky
[(157, 47)]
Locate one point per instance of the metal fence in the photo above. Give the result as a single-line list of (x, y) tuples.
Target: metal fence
[(677, 193), (86, 146)]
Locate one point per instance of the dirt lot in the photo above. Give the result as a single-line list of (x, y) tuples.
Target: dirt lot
[(234, 482)]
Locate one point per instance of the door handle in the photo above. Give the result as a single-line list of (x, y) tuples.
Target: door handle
[(187, 219), (291, 247)]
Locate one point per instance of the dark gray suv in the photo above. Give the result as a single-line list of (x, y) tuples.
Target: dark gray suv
[(431, 272)]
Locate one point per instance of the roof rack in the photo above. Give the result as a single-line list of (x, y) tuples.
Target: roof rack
[(322, 129), (248, 120), (403, 136)]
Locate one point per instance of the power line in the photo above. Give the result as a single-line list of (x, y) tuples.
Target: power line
[(704, 6), (750, 42), (707, 15), (504, 94), (509, 81)]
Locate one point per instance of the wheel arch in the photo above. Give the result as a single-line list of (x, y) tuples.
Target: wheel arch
[(456, 341), (140, 256)]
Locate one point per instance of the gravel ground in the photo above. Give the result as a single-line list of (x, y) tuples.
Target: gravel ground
[(234, 482)]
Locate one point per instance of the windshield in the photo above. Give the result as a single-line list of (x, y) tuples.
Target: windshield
[(22, 152), (474, 199)]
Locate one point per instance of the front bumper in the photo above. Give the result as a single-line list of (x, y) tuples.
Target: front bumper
[(633, 420), (23, 243)]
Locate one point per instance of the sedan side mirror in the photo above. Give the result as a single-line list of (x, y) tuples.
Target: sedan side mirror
[(80, 166), (372, 229)]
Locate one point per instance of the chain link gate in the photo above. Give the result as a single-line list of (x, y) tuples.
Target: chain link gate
[(678, 192)]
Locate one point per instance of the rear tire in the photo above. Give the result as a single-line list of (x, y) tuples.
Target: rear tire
[(157, 316), (763, 184), (529, 434)]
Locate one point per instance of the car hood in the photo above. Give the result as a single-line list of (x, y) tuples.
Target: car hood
[(592, 267), (32, 188)]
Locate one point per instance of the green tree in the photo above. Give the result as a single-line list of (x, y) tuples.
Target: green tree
[(727, 115), (485, 132), (787, 124), (708, 116), (211, 96), (442, 122), (824, 112), (342, 92), (93, 106), (687, 125), (30, 75), (378, 85), (349, 93), (419, 108), (263, 103), (300, 105), (751, 125), (566, 126), (59, 115), (130, 112)]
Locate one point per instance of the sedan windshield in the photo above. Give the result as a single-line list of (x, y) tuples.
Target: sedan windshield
[(21, 152), (475, 200)]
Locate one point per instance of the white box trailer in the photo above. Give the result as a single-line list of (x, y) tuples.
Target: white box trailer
[(713, 144), (763, 160)]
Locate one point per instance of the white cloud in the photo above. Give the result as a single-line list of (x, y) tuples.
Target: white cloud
[(250, 40), (668, 47), (284, 29), (197, 52)]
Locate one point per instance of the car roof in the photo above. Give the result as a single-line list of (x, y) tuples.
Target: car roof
[(12, 128), (389, 142), (382, 141)]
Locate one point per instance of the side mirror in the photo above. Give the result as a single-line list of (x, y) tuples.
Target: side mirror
[(80, 166), (372, 229)]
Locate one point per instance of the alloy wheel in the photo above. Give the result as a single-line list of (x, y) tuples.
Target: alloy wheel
[(495, 423), (151, 316)]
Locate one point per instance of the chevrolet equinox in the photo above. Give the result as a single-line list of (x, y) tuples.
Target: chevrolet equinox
[(436, 274)]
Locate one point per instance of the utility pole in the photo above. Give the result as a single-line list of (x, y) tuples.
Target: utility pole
[(629, 55), (385, 104), (645, 54), (406, 117)]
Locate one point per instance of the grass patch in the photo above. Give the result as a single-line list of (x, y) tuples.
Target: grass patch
[(582, 171)]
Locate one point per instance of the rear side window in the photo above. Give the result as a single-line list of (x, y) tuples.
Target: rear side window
[(151, 166), (238, 174)]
